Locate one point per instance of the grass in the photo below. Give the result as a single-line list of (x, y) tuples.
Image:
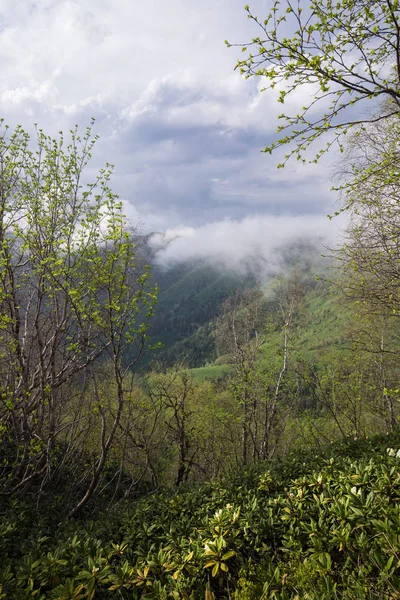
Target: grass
[(211, 372)]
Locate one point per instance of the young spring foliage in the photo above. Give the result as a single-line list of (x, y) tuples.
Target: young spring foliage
[(70, 296), (349, 50), (313, 527)]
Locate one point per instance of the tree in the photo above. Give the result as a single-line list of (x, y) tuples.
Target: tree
[(370, 257), (173, 391), (349, 52), (289, 293), (261, 381), (371, 193), (70, 296), (348, 49), (238, 335), (190, 425)]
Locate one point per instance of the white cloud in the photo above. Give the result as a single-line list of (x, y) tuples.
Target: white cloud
[(183, 130), (259, 241), (113, 46)]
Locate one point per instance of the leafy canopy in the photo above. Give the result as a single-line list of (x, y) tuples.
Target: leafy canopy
[(348, 49), (72, 295)]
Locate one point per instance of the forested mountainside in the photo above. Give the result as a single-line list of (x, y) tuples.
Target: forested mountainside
[(192, 294), (254, 455), (190, 298), (254, 452), (150, 480)]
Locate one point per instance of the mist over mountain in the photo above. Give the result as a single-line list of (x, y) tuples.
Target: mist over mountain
[(196, 270), (261, 245)]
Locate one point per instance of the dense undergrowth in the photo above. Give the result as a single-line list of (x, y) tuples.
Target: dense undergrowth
[(313, 526)]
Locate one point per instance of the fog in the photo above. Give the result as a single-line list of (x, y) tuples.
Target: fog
[(259, 242)]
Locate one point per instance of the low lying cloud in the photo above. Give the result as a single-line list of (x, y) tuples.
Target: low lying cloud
[(257, 243)]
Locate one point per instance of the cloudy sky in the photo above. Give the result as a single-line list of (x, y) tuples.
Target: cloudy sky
[(182, 128)]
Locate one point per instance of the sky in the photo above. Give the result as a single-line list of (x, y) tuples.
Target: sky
[(184, 130)]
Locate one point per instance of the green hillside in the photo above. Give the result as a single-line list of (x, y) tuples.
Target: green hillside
[(322, 323), (211, 372), (184, 430), (325, 321), (189, 299), (191, 296)]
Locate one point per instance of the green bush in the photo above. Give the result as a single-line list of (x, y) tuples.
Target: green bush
[(313, 527)]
